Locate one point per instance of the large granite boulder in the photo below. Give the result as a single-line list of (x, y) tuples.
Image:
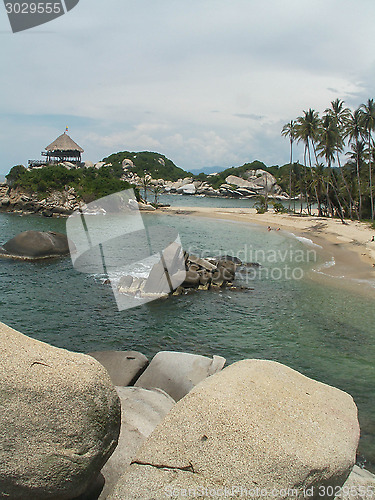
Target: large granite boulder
[(178, 372), (123, 367), (60, 419), (141, 412), (257, 425), (36, 245)]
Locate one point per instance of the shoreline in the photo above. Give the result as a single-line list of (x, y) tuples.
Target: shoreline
[(349, 244)]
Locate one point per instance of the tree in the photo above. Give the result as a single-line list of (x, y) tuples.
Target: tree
[(340, 115), (357, 158), (157, 190), (15, 173), (145, 184), (329, 142), (368, 121), (290, 130), (307, 131), (353, 130)]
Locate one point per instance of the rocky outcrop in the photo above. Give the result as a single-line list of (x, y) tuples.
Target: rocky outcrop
[(257, 425), (58, 203), (122, 366), (180, 273), (60, 419), (34, 245), (177, 373), (253, 183), (141, 412)]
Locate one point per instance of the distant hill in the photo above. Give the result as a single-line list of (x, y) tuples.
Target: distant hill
[(154, 164)]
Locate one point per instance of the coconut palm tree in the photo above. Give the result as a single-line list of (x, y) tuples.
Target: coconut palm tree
[(157, 190), (340, 114), (289, 130), (357, 159), (318, 185), (329, 143), (353, 130), (145, 184), (307, 131), (368, 121)]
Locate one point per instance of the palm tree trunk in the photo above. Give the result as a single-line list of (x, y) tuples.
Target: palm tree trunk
[(351, 203), (370, 178), (290, 173)]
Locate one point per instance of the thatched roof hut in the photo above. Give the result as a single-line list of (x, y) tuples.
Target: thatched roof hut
[(64, 149), (64, 143)]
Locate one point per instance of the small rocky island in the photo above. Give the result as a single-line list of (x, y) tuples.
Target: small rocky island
[(191, 273)]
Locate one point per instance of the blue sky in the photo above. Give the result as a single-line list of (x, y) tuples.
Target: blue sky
[(208, 82)]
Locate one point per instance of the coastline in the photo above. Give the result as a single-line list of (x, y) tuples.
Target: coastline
[(349, 244)]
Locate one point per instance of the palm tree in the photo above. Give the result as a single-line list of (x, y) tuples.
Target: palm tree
[(318, 184), (145, 183), (289, 130), (157, 190), (340, 114), (330, 142), (368, 121), (307, 131), (358, 155), (353, 130)]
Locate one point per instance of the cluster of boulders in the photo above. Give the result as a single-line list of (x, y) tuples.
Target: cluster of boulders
[(254, 183), (180, 272), (57, 203), (180, 422)]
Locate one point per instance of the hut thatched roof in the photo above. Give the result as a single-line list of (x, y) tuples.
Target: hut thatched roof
[(64, 143)]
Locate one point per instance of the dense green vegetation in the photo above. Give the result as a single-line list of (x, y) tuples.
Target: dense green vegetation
[(338, 190), (145, 162), (89, 183)]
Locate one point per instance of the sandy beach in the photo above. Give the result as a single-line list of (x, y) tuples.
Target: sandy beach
[(350, 244)]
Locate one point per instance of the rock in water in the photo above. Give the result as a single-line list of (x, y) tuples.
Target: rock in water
[(60, 419), (36, 245), (258, 425)]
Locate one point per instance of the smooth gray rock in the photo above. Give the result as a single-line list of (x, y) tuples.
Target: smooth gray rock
[(141, 412), (36, 245), (178, 372), (360, 485), (60, 419), (256, 424), (123, 367)]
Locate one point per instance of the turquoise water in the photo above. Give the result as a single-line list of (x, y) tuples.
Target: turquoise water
[(325, 332)]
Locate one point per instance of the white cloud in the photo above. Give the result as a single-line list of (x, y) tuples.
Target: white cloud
[(181, 77)]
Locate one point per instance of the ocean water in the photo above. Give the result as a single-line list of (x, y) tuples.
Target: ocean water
[(323, 330)]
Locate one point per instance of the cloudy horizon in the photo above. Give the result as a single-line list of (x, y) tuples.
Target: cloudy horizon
[(204, 83)]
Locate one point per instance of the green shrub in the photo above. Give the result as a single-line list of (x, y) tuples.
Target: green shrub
[(279, 208)]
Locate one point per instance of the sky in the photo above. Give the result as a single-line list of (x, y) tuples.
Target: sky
[(206, 83)]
